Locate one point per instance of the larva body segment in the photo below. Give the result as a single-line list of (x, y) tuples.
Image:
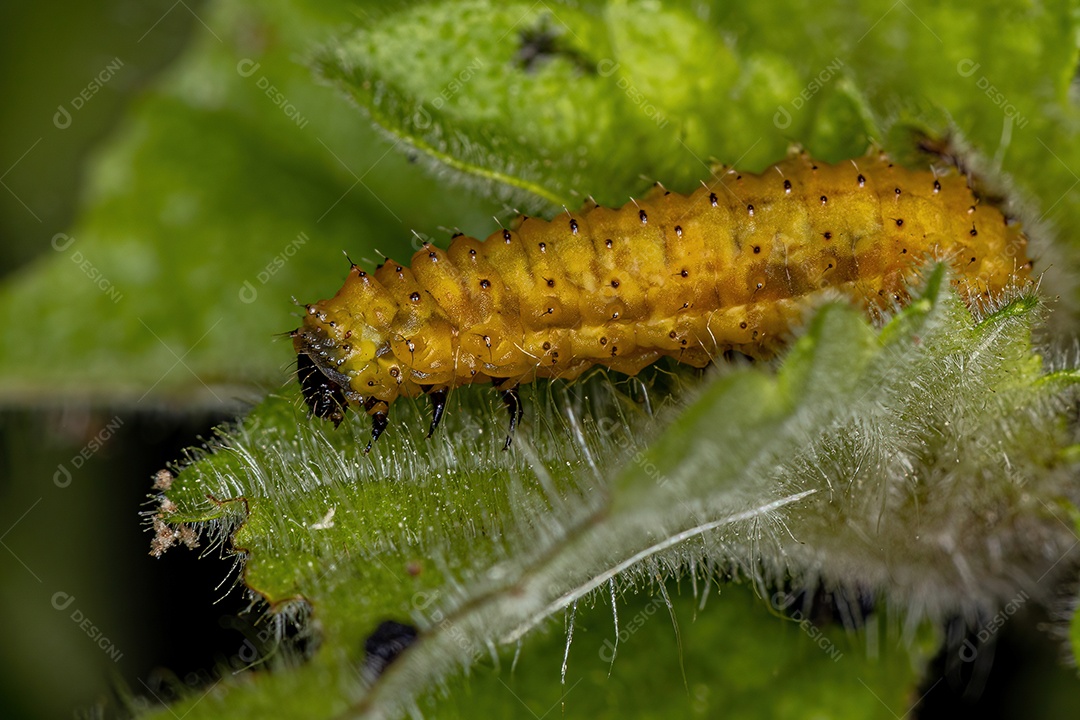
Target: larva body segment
[(728, 267)]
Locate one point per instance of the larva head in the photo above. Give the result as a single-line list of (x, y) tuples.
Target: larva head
[(338, 366)]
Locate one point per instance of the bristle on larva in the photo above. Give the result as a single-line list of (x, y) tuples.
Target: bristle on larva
[(729, 267)]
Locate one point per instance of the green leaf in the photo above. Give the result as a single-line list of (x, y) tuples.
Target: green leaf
[(202, 198), (856, 465), (234, 185)]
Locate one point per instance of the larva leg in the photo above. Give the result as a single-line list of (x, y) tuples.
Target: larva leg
[(512, 401), (378, 410), (438, 404), (325, 397)]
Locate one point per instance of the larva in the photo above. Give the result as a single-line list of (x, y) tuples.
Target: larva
[(728, 267)]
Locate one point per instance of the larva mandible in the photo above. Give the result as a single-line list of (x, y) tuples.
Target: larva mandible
[(728, 267)]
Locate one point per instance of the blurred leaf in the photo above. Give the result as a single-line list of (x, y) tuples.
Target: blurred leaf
[(234, 185)]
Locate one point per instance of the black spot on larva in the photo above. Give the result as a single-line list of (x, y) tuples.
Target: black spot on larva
[(678, 230), (543, 247), (550, 282), (813, 167), (862, 180), (386, 644), (487, 340), (828, 236), (608, 243), (644, 217), (750, 210), (972, 258), (415, 297), (685, 272), (713, 199), (824, 200), (456, 235), (614, 283), (787, 186), (937, 186), (615, 315), (899, 222), (614, 350), (573, 226), (897, 192), (485, 284), (673, 335), (546, 346), (472, 251), (973, 232), (394, 372), (507, 236), (398, 269), (757, 249), (742, 325), (434, 256), (603, 341)]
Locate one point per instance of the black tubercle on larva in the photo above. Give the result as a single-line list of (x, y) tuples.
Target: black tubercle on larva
[(324, 397), (386, 644)]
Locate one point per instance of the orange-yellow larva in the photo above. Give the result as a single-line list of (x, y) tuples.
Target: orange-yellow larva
[(728, 267)]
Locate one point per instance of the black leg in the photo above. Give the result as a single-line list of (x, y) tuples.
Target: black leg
[(379, 420), (513, 404), (438, 404)]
